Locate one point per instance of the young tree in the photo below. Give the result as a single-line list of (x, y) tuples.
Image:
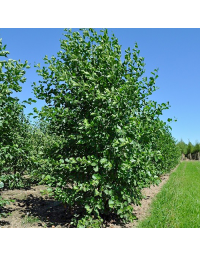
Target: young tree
[(98, 106)]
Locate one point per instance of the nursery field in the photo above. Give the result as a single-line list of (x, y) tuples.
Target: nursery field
[(178, 203), (97, 142)]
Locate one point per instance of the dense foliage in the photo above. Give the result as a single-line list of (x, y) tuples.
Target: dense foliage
[(108, 141)]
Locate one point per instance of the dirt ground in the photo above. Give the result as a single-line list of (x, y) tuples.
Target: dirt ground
[(33, 209)]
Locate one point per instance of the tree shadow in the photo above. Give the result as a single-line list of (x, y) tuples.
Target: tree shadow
[(49, 211), (53, 213), (113, 219), (3, 213)]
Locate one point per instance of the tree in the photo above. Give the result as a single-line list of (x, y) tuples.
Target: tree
[(196, 147), (13, 123), (190, 148), (108, 131), (183, 146)]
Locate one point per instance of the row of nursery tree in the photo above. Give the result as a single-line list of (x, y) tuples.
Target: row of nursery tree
[(188, 148), (98, 140)]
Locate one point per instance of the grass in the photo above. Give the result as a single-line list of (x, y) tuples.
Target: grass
[(178, 203), (30, 220)]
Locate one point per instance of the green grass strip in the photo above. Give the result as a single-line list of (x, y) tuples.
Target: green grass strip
[(177, 205)]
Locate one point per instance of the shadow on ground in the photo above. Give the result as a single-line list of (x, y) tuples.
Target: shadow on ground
[(48, 212)]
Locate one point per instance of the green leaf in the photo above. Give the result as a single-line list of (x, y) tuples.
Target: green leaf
[(111, 203), (122, 140), (62, 161), (96, 169), (93, 164), (96, 176), (103, 160), (120, 211), (73, 161), (1, 185), (88, 208), (96, 192)]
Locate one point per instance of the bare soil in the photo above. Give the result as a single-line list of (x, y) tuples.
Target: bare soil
[(32, 209)]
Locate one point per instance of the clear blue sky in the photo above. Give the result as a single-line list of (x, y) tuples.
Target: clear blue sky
[(176, 52)]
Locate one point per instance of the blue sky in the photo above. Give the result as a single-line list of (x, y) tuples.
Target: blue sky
[(175, 52)]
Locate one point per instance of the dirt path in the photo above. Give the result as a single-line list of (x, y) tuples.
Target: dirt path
[(33, 209)]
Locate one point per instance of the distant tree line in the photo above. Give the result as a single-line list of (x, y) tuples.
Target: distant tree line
[(188, 148)]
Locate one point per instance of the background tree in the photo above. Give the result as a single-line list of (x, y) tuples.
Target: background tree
[(190, 148), (196, 147), (183, 146), (14, 142)]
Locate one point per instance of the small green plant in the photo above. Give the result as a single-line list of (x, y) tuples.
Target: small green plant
[(46, 192), (30, 219), (87, 222), (13, 181), (3, 202)]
